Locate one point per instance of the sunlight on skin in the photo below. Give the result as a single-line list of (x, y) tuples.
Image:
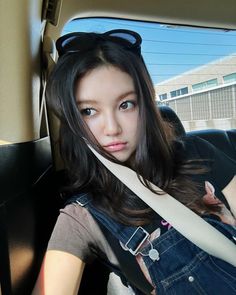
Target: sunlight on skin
[(22, 259), (230, 194), (60, 271)]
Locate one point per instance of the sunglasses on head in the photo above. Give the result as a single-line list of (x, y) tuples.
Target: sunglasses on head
[(81, 41)]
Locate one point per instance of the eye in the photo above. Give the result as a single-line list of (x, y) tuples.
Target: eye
[(126, 105), (87, 112)]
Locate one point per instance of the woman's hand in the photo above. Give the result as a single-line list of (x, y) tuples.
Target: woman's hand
[(209, 198), (60, 274), (230, 194)]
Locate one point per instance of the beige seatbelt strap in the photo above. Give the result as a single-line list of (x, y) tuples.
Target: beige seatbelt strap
[(185, 221)]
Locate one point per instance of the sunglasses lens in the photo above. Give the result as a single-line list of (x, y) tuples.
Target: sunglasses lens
[(125, 36), (69, 41), (67, 45)]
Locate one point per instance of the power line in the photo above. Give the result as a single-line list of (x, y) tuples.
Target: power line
[(167, 29), (182, 85), (187, 43), (183, 53), (183, 74), (165, 64)]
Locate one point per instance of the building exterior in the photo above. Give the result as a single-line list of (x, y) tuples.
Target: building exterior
[(204, 97), (219, 72)]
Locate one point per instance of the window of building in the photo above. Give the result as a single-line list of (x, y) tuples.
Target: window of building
[(229, 78), (163, 96), (205, 85), (179, 92)]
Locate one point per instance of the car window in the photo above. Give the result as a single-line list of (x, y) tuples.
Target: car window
[(193, 69)]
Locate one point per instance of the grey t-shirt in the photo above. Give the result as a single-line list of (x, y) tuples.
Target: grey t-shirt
[(77, 233)]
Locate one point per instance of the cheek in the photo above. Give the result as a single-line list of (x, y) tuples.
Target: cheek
[(132, 124), (95, 127), (135, 120), (138, 127)]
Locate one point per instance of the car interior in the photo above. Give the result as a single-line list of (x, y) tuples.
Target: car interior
[(31, 172)]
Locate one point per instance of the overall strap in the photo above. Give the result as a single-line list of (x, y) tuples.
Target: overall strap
[(131, 237)]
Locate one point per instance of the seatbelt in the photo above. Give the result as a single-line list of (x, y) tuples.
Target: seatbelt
[(185, 221)]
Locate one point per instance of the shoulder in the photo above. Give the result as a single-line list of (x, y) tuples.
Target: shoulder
[(75, 232), (78, 233), (201, 148), (198, 148), (195, 147), (221, 168), (77, 214), (78, 219)]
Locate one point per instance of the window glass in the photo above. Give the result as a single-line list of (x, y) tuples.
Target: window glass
[(205, 85), (163, 96), (191, 68), (230, 78), (179, 92)]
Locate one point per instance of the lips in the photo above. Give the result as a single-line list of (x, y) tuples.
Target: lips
[(115, 146)]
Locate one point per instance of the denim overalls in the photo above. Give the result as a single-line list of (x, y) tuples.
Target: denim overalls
[(175, 265)]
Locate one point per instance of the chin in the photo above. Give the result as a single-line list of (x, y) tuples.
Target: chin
[(122, 159), (125, 159)]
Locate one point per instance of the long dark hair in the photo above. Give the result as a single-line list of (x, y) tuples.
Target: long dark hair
[(156, 158)]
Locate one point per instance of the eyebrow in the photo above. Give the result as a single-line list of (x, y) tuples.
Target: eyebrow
[(126, 94), (92, 101), (88, 101)]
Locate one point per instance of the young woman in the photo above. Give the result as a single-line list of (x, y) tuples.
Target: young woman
[(103, 95)]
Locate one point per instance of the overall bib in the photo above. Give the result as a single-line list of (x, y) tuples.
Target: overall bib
[(174, 264)]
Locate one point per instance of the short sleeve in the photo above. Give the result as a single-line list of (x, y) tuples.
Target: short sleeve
[(221, 168), (72, 233)]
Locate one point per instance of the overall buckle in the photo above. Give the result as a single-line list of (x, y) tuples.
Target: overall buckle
[(141, 235)]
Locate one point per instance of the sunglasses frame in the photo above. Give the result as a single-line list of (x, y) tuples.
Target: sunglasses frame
[(112, 35)]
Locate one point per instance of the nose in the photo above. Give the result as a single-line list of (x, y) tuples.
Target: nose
[(112, 126)]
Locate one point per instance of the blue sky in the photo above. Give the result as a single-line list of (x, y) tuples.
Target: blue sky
[(168, 51)]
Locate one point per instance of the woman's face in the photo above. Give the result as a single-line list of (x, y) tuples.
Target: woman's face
[(107, 101)]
